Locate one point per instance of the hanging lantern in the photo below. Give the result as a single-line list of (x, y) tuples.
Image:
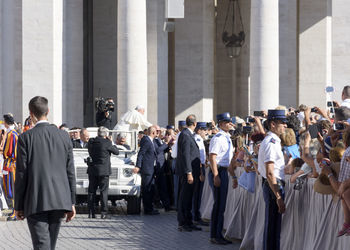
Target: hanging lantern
[(233, 42)]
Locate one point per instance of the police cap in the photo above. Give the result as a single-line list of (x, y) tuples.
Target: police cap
[(223, 117)]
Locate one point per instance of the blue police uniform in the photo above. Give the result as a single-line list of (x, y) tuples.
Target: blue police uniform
[(198, 185), (271, 151), (221, 145)]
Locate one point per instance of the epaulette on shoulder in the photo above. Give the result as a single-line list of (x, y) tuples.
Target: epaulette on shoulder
[(198, 139), (218, 135), (273, 140)]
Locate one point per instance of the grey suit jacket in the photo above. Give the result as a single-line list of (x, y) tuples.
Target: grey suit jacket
[(45, 176)]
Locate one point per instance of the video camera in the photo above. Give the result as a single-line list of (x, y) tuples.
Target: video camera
[(104, 105)]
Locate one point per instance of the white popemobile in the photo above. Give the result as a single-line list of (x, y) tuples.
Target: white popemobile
[(123, 184)]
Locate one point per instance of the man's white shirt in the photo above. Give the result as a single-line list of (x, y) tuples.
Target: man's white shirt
[(174, 147), (200, 143), (221, 145), (271, 151)]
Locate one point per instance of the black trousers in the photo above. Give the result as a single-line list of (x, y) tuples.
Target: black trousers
[(197, 197), (147, 191), (184, 206), (161, 183), (103, 183), (273, 219), (44, 228), (220, 196)]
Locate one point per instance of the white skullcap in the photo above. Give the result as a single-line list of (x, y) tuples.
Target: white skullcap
[(138, 107)]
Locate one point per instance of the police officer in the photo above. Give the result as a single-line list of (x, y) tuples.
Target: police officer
[(200, 133), (220, 156), (271, 168)]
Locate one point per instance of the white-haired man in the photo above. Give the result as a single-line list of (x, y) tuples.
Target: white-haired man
[(99, 170)]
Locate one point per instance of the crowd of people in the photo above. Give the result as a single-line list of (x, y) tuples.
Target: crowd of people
[(302, 142)]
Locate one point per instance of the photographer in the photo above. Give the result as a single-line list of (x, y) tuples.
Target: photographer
[(99, 170), (104, 112)]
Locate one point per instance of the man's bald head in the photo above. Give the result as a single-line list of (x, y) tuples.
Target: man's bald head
[(191, 121), (152, 131), (84, 135)]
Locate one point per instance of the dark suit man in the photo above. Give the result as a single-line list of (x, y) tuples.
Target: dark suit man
[(146, 162), (99, 170), (188, 169), (161, 183), (82, 142), (45, 177)]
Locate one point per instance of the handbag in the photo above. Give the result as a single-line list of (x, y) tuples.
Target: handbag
[(247, 181)]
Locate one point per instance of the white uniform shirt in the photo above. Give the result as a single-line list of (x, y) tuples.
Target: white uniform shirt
[(221, 145), (271, 150), (174, 147), (200, 143)]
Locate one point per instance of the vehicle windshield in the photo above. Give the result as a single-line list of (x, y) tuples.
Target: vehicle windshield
[(125, 140)]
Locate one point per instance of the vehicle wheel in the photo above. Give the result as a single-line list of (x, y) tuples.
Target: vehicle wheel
[(114, 203), (134, 205)]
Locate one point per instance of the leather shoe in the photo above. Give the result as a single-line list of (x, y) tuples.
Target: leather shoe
[(195, 228), (92, 216), (201, 223), (153, 212), (184, 228), (218, 241), (105, 216)]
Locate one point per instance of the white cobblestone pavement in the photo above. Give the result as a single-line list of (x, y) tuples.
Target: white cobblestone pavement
[(120, 232)]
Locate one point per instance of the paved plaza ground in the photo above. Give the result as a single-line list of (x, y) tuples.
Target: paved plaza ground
[(120, 232)]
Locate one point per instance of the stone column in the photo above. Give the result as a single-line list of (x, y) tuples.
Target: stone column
[(194, 61), (1, 56), (73, 101), (10, 58), (42, 54), (264, 55), (314, 51), (340, 46), (132, 55), (288, 52), (157, 51)]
